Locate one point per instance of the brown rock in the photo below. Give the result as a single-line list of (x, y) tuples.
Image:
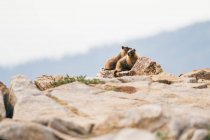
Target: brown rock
[(45, 81), (199, 74), (145, 66), (166, 78), (106, 73)]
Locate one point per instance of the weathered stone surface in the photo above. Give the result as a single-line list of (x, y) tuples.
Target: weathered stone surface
[(199, 74), (2, 106), (106, 110), (146, 66), (13, 130), (45, 81), (166, 78), (31, 104), (200, 134), (106, 73), (128, 134), (142, 117)]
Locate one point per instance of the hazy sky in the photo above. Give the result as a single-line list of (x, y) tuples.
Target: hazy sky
[(36, 29)]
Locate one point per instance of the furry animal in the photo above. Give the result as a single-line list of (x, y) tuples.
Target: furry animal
[(111, 63), (127, 62)]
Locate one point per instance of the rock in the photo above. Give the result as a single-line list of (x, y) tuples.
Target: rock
[(190, 80), (200, 134), (106, 111), (128, 133), (146, 66), (2, 107), (188, 134), (130, 79), (69, 128), (25, 98), (142, 117), (199, 74), (177, 126), (3, 90), (166, 78), (106, 73), (45, 81), (13, 130), (200, 86), (131, 134)]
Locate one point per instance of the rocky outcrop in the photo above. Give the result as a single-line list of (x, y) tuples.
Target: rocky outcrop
[(147, 107), (45, 81), (3, 90), (199, 74), (143, 66), (146, 66)]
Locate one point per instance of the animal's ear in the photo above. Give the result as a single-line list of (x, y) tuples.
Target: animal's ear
[(123, 47), (134, 50)]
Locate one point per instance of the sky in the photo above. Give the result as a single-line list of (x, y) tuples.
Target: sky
[(38, 29)]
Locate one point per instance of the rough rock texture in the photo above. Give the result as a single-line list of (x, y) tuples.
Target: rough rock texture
[(146, 66), (148, 107), (13, 130), (2, 106), (143, 66), (199, 74), (45, 81)]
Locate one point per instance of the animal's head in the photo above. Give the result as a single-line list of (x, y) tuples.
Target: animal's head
[(132, 52), (125, 50)]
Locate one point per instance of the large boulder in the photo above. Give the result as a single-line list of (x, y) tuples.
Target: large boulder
[(25, 97), (146, 66)]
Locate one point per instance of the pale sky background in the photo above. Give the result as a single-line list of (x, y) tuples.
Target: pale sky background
[(37, 29)]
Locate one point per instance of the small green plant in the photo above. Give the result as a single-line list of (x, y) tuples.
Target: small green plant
[(67, 79), (208, 137), (162, 135)]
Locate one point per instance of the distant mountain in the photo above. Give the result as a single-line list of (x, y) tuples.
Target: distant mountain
[(178, 52)]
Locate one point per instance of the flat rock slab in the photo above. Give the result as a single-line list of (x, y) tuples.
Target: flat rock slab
[(31, 104)]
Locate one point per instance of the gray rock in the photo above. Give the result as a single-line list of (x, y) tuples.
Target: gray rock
[(190, 80), (2, 107), (134, 134), (31, 104), (142, 117), (199, 74), (200, 134), (12, 130), (177, 126)]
